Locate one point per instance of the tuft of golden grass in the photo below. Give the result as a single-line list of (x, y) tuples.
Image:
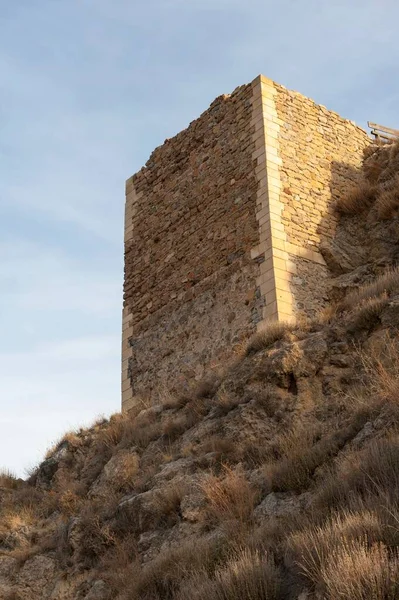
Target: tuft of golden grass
[(268, 335), (310, 548), (8, 479), (381, 367), (248, 575), (298, 458), (362, 474), (122, 479), (230, 498), (164, 576), (387, 283), (166, 504), (355, 571), (358, 199), (367, 313), (387, 203)]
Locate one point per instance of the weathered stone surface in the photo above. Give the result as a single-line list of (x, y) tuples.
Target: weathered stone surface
[(35, 579), (340, 258), (98, 591), (281, 504), (118, 468)]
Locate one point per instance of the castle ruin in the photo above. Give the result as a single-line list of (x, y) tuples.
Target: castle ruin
[(225, 227)]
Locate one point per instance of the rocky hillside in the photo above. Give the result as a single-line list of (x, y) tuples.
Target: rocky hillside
[(277, 478)]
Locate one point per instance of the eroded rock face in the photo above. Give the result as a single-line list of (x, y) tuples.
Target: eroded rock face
[(36, 578), (341, 257), (116, 473), (281, 504), (99, 591)]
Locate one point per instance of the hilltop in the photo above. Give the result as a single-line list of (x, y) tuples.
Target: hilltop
[(274, 478)]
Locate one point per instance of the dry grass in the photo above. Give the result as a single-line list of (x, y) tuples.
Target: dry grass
[(366, 315), (230, 498), (271, 333), (208, 386), (166, 505), (357, 200), (385, 284), (95, 538), (345, 558), (8, 479), (248, 575), (387, 203), (310, 549), (381, 367), (123, 477), (299, 455), (356, 571), (361, 475), (162, 578)]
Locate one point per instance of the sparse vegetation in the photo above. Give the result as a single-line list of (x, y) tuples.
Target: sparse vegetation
[(383, 286), (358, 199), (387, 203), (230, 498), (276, 479), (268, 335)]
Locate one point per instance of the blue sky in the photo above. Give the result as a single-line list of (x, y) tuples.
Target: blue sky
[(87, 89)]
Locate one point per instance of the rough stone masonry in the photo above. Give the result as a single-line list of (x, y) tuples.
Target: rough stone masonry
[(224, 230)]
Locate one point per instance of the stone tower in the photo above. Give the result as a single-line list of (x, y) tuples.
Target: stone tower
[(225, 227)]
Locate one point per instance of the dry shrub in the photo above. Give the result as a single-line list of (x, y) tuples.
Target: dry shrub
[(166, 504), (357, 200), (12, 595), (248, 575), (385, 284), (373, 471), (266, 398), (69, 502), (8, 479), (268, 335), (230, 498), (381, 366), (299, 456), (387, 203), (208, 386), (223, 448), (123, 478), (224, 402), (355, 571), (302, 452), (162, 578), (326, 315), (71, 439), (17, 519), (366, 314), (173, 427), (310, 549), (95, 538), (170, 400), (115, 564)]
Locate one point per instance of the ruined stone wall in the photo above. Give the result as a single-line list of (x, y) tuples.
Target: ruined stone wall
[(321, 155), (224, 230), (190, 285), (311, 157)]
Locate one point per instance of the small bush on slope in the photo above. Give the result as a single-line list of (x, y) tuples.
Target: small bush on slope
[(358, 199), (356, 571), (268, 335), (248, 575), (385, 284), (231, 498)]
